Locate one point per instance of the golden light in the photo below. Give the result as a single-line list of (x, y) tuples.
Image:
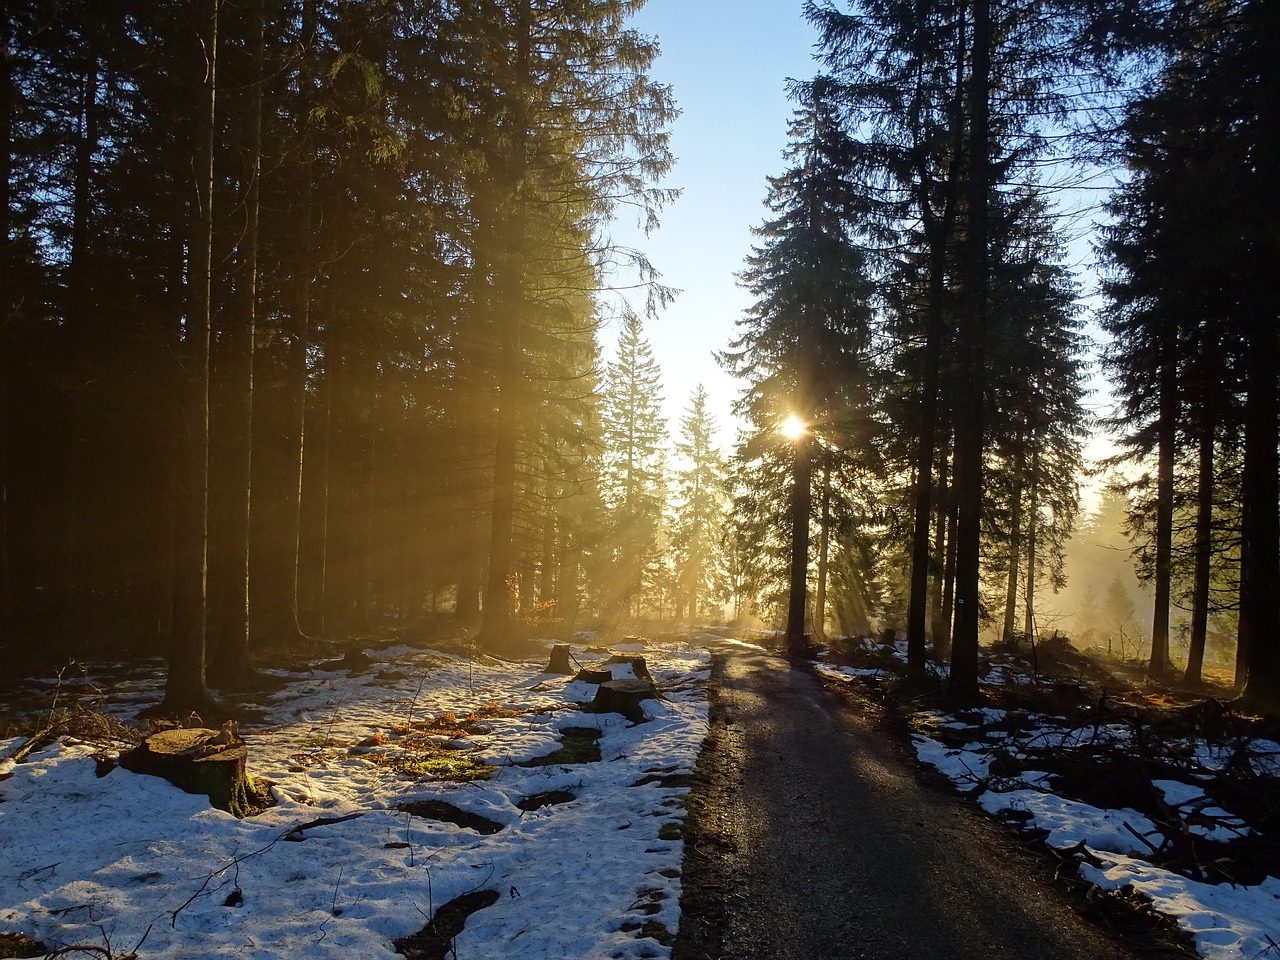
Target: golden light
[(793, 428)]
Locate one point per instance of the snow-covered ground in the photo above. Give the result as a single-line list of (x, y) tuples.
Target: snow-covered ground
[(990, 754), (129, 863)]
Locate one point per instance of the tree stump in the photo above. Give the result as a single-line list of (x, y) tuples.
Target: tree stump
[(198, 760), (638, 666), (624, 696), (559, 659), (587, 675)]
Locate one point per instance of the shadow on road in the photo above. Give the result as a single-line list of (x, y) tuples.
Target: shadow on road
[(813, 838)]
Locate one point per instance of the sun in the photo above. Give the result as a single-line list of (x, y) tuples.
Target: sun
[(793, 428)]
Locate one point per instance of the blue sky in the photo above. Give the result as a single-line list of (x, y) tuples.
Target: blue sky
[(728, 62)]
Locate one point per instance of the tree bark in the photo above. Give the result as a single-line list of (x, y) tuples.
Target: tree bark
[(1033, 516), (1260, 494), (939, 597), (1203, 552), (1015, 556), (824, 541), (185, 688), (801, 509), (497, 626), (969, 428), (232, 662), (8, 295), (1159, 664)]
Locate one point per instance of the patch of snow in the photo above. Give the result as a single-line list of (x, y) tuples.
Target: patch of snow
[(1228, 922)]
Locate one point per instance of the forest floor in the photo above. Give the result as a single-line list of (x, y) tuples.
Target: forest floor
[(426, 803), (432, 804)]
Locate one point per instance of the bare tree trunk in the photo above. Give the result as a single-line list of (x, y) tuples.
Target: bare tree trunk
[(1033, 517), (301, 333), (1260, 495), (1243, 600), (973, 332), (1159, 665), (497, 626), (1203, 552), (801, 509), (496, 629), (232, 663), (940, 604), (824, 540), (467, 607), (8, 297), (949, 574), (1015, 556), (186, 689)]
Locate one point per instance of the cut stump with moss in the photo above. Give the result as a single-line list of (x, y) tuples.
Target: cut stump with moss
[(200, 761)]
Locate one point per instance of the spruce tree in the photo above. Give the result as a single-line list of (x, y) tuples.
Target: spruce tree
[(633, 482), (802, 345), (699, 507)]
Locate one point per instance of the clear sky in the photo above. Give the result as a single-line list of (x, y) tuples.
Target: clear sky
[(727, 62)]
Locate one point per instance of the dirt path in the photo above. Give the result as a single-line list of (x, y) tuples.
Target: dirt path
[(817, 840)]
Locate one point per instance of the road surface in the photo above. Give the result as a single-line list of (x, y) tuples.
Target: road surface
[(816, 839)]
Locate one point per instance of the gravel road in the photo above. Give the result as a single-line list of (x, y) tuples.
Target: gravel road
[(815, 838)]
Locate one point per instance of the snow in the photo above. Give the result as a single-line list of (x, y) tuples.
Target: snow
[(124, 859)]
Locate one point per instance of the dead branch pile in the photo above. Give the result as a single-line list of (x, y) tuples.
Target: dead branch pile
[(1229, 766)]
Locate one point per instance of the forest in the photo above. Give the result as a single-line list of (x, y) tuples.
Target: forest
[(302, 312)]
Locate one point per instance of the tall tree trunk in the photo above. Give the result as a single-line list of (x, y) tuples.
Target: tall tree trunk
[(1203, 551), (925, 454), (1015, 556), (949, 575), (973, 332), (1166, 429), (547, 567), (185, 688), (8, 296), (939, 597), (467, 608), (1243, 601), (497, 626), (801, 510), (322, 594), (1260, 494), (1033, 530), (824, 542), (232, 662), (288, 617), (80, 315)]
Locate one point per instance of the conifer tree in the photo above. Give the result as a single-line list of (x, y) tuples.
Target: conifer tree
[(633, 482), (801, 346), (699, 508)]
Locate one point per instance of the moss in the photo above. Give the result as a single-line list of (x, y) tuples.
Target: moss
[(20, 945), (577, 745), (452, 765), (670, 831)]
